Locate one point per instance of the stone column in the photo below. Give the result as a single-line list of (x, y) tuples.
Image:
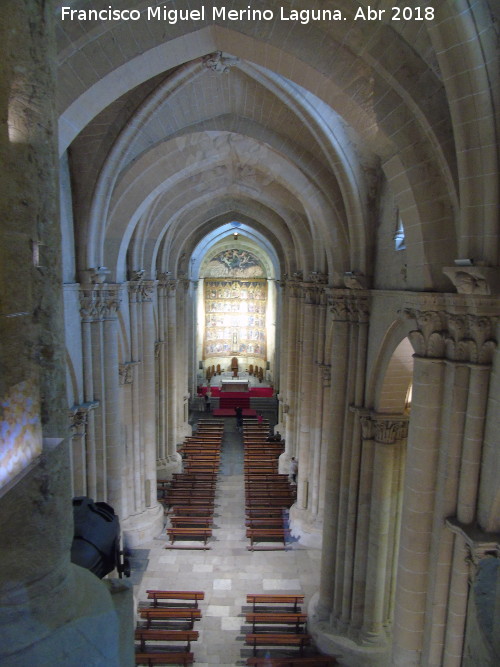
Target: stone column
[(359, 315), (326, 430), (456, 383), (149, 389), (115, 454), (466, 513), (386, 432), (290, 389), (172, 367), (420, 489), (137, 399), (169, 287), (420, 486), (182, 364), (283, 358), (317, 416), (78, 421), (305, 405), (86, 312), (161, 377), (45, 601), (339, 337)]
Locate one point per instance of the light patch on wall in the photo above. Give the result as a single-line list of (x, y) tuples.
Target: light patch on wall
[(20, 430), (22, 110)]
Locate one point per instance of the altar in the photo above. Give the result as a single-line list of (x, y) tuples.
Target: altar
[(234, 385)]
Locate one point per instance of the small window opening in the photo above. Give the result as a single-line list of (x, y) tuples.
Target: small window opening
[(399, 236)]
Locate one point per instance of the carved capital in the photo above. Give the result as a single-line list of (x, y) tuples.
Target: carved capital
[(147, 289), (326, 373), (99, 302), (349, 307), (457, 337), (96, 275), (483, 280), (78, 417), (383, 429), (339, 308), (354, 280), (126, 372), (479, 545), (318, 277), (219, 62), (158, 345)]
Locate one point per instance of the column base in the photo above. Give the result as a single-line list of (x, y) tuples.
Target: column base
[(183, 431), (284, 463), (90, 637), (143, 527), (166, 467), (345, 650), (307, 529)]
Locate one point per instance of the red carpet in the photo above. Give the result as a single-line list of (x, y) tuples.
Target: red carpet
[(225, 412), (255, 392)]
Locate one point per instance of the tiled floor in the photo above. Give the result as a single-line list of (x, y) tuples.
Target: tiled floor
[(228, 571)]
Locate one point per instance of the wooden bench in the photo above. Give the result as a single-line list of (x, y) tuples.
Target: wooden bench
[(193, 532), (260, 499), (157, 614), (256, 512), (177, 658), (193, 476), (277, 639), (186, 521), (193, 510), (309, 661), (189, 502), (266, 534), (199, 459), (197, 451), (265, 522), (282, 599), (144, 635), (195, 492), (185, 596), (266, 484), (194, 484), (277, 618), (268, 477)]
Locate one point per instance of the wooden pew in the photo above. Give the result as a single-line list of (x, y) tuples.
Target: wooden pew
[(156, 615), (277, 618), (269, 498), (197, 533), (180, 484), (177, 658), (299, 640), (193, 510), (282, 599), (205, 501), (187, 521), (266, 476), (266, 534), (309, 661), (185, 596), (267, 485), (144, 635), (256, 512), (191, 475), (189, 502), (265, 522), (195, 492)]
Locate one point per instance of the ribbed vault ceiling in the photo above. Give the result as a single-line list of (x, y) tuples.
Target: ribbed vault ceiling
[(294, 139)]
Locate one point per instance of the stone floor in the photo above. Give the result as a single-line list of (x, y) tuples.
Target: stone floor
[(228, 571)]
